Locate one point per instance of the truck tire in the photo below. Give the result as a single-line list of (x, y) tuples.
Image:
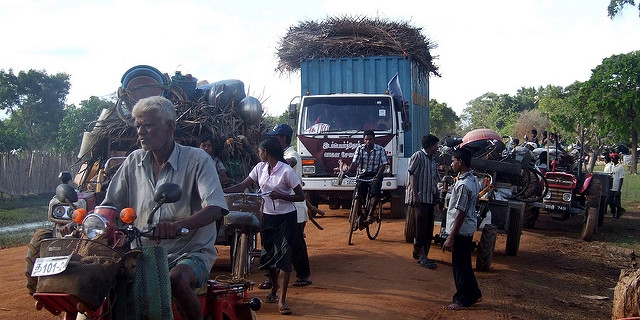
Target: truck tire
[(592, 214), (515, 231), (487, 243), (33, 252), (530, 217), (409, 225), (397, 207)]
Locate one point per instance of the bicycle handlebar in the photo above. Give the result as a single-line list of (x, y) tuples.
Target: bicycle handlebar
[(249, 194), (343, 176)]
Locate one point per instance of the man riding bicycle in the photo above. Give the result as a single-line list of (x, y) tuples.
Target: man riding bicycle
[(371, 161)]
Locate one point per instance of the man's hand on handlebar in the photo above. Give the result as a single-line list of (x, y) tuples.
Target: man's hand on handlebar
[(166, 230)]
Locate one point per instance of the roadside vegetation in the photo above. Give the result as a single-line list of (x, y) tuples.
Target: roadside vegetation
[(18, 211)]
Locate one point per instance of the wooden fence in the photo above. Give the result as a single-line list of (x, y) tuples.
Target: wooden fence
[(28, 173)]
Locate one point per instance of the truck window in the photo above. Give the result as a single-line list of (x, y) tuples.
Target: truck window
[(338, 114)]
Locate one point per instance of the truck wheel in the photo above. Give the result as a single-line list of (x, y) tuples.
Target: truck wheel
[(33, 252), (397, 207), (409, 225), (487, 243), (530, 217), (515, 231)]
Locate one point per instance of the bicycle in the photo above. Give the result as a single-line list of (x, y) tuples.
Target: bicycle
[(242, 224), (360, 208)]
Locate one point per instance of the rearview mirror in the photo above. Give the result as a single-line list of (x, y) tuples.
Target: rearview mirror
[(167, 193)]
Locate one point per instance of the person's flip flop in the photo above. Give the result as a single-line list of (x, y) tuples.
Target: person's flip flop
[(271, 298), (455, 307), (265, 285), (285, 310), (302, 282)]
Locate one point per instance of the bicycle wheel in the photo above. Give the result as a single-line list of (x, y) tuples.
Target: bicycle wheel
[(373, 228), (241, 257), (354, 217)]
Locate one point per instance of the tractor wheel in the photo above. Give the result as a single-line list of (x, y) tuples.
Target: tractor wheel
[(33, 252), (515, 231), (409, 225), (592, 216), (487, 243), (590, 224), (530, 217)]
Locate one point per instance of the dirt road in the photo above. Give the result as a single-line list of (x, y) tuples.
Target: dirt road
[(554, 276)]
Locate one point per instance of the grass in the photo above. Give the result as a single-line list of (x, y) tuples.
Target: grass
[(16, 211)]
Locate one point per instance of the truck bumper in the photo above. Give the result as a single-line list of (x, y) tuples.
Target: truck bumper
[(329, 184)]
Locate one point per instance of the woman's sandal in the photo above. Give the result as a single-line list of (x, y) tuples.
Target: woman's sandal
[(302, 282), (271, 298), (285, 310)]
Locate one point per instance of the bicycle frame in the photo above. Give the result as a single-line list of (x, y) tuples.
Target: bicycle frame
[(359, 210)]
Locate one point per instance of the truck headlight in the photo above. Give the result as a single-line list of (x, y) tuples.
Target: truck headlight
[(94, 226), (566, 197)]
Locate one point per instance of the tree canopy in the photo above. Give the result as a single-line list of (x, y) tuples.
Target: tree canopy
[(616, 6), (34, 101)]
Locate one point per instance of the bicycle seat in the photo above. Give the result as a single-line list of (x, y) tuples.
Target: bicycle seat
[(239, 219)]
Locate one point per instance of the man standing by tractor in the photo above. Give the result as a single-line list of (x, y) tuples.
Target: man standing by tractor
[(422, 194), (461, 224), (371, 161), (616, 169)]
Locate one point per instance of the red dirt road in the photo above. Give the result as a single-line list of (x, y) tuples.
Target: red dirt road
[(554, 276)]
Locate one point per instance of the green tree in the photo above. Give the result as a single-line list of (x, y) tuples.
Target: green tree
[(616, 6), (444, 121), (493, 111), (35, 100), (613, 92), (78, 120)]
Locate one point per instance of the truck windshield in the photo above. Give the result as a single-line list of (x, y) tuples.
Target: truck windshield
[(339, 113)]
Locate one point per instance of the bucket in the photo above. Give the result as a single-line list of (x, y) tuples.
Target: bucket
[(144, 75)]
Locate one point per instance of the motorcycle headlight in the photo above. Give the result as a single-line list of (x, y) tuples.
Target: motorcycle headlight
[(94, 226), (61, 212)]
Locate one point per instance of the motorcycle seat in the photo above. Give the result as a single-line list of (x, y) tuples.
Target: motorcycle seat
[(240, 219)]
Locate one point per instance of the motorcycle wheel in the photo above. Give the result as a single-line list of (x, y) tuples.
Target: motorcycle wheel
[(33, 253)]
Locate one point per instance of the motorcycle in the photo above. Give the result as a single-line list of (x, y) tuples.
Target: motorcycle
[(104, 272)]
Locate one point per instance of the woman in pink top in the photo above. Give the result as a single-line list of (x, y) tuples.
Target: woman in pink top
[(279, 222)]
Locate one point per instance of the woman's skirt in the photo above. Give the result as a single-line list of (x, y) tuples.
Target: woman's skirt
[(278, 234)]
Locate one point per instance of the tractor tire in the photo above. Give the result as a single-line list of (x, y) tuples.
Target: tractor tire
[(515, 231), (487, 243), (530, 217), (409, 225), (592, 215), (590, 224), (33, 252)]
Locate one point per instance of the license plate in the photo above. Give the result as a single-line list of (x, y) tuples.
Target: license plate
[(345, 182), (49, 266), (555, 207)]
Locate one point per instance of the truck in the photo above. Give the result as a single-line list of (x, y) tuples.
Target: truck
[(343, 97)]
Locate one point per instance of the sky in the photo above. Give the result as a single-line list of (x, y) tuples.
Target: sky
[(482, 46)]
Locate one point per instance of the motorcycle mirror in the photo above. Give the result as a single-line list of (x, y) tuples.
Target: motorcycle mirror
[(65, 192), (167, 193)]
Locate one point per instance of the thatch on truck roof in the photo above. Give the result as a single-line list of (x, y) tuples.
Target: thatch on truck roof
[(349, 36)]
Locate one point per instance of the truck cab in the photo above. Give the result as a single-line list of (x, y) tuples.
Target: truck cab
[(330, 129)]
